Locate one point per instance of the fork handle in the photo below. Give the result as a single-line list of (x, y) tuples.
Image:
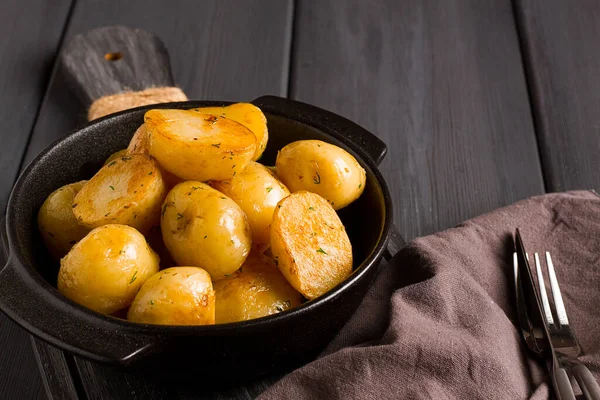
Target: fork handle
[(588, 385), (562, 386)]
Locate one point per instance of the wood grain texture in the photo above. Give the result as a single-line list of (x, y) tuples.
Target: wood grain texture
[(441, 82), (30, 32), (220, 50), (560, 41), (114, 59), (225, 50), (55, 371)]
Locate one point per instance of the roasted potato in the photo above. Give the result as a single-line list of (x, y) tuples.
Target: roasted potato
[(57, 223), (203, 227), (139, 142), (115, 156), (175, 296), (257, 191), (196, 146), (256, 290), (248, 115), (321, 168), (309, 244), (126, 191), (105, 269), (139, 145)]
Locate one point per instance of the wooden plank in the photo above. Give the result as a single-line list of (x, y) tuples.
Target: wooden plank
[(560, 42), (30, 32), (223, 50), (220, 50), (442, 84), (56, 372)]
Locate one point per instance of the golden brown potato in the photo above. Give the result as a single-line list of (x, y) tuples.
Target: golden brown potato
[(256, 290), (126, 191), (321, 168), (310, 244), (248, 115), (203, 227), (57, 223), (175, 296), (105, 269), (257, 191), (139, 145), (197, 146), (115, 156), (139, 142)]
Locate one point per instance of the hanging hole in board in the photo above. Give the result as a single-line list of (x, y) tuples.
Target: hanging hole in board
[(113, 56)]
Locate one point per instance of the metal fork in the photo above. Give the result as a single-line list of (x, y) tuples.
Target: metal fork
[(563, 340)]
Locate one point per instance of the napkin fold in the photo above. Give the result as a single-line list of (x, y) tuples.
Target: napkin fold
[(440, 321)]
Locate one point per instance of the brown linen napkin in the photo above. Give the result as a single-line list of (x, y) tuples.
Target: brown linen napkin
[(440, 320)]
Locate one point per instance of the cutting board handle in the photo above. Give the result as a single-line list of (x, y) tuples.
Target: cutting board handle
[(114, 59)]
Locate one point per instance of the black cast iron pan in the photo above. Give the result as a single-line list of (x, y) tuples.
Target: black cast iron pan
[(28, 293)]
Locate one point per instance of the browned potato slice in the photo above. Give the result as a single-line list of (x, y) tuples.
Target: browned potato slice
[(139, 142), (310, 244), (321, 168), (126, 191), (258, 289), (257, 191), (197, 146), (203, 227), (139, 145), (248, 115), (115, 156), (57, 223), (105, 269), (175, 296)]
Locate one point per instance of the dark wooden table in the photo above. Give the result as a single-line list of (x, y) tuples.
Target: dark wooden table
[(481, 103)]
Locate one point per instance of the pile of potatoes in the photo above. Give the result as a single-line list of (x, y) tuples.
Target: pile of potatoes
[(185, 227)]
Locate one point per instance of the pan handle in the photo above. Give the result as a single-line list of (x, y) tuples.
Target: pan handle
[(42, 312), (114, 59), (365, 142), (395, 243)]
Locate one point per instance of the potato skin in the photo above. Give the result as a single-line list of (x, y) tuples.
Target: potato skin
[(321, 168), (256, 290), (57, 223), (196, 146), (126, 191), (248, 115), (139, 143), (310, 244), (115, 156), (105, 269), (203, 227), (257, 191), (175, 296)]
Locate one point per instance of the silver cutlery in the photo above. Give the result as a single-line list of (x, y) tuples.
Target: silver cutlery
[(546, 330)]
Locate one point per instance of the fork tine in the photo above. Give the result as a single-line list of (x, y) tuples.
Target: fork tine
[(543, 294), (558, 301), (516, 269)]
